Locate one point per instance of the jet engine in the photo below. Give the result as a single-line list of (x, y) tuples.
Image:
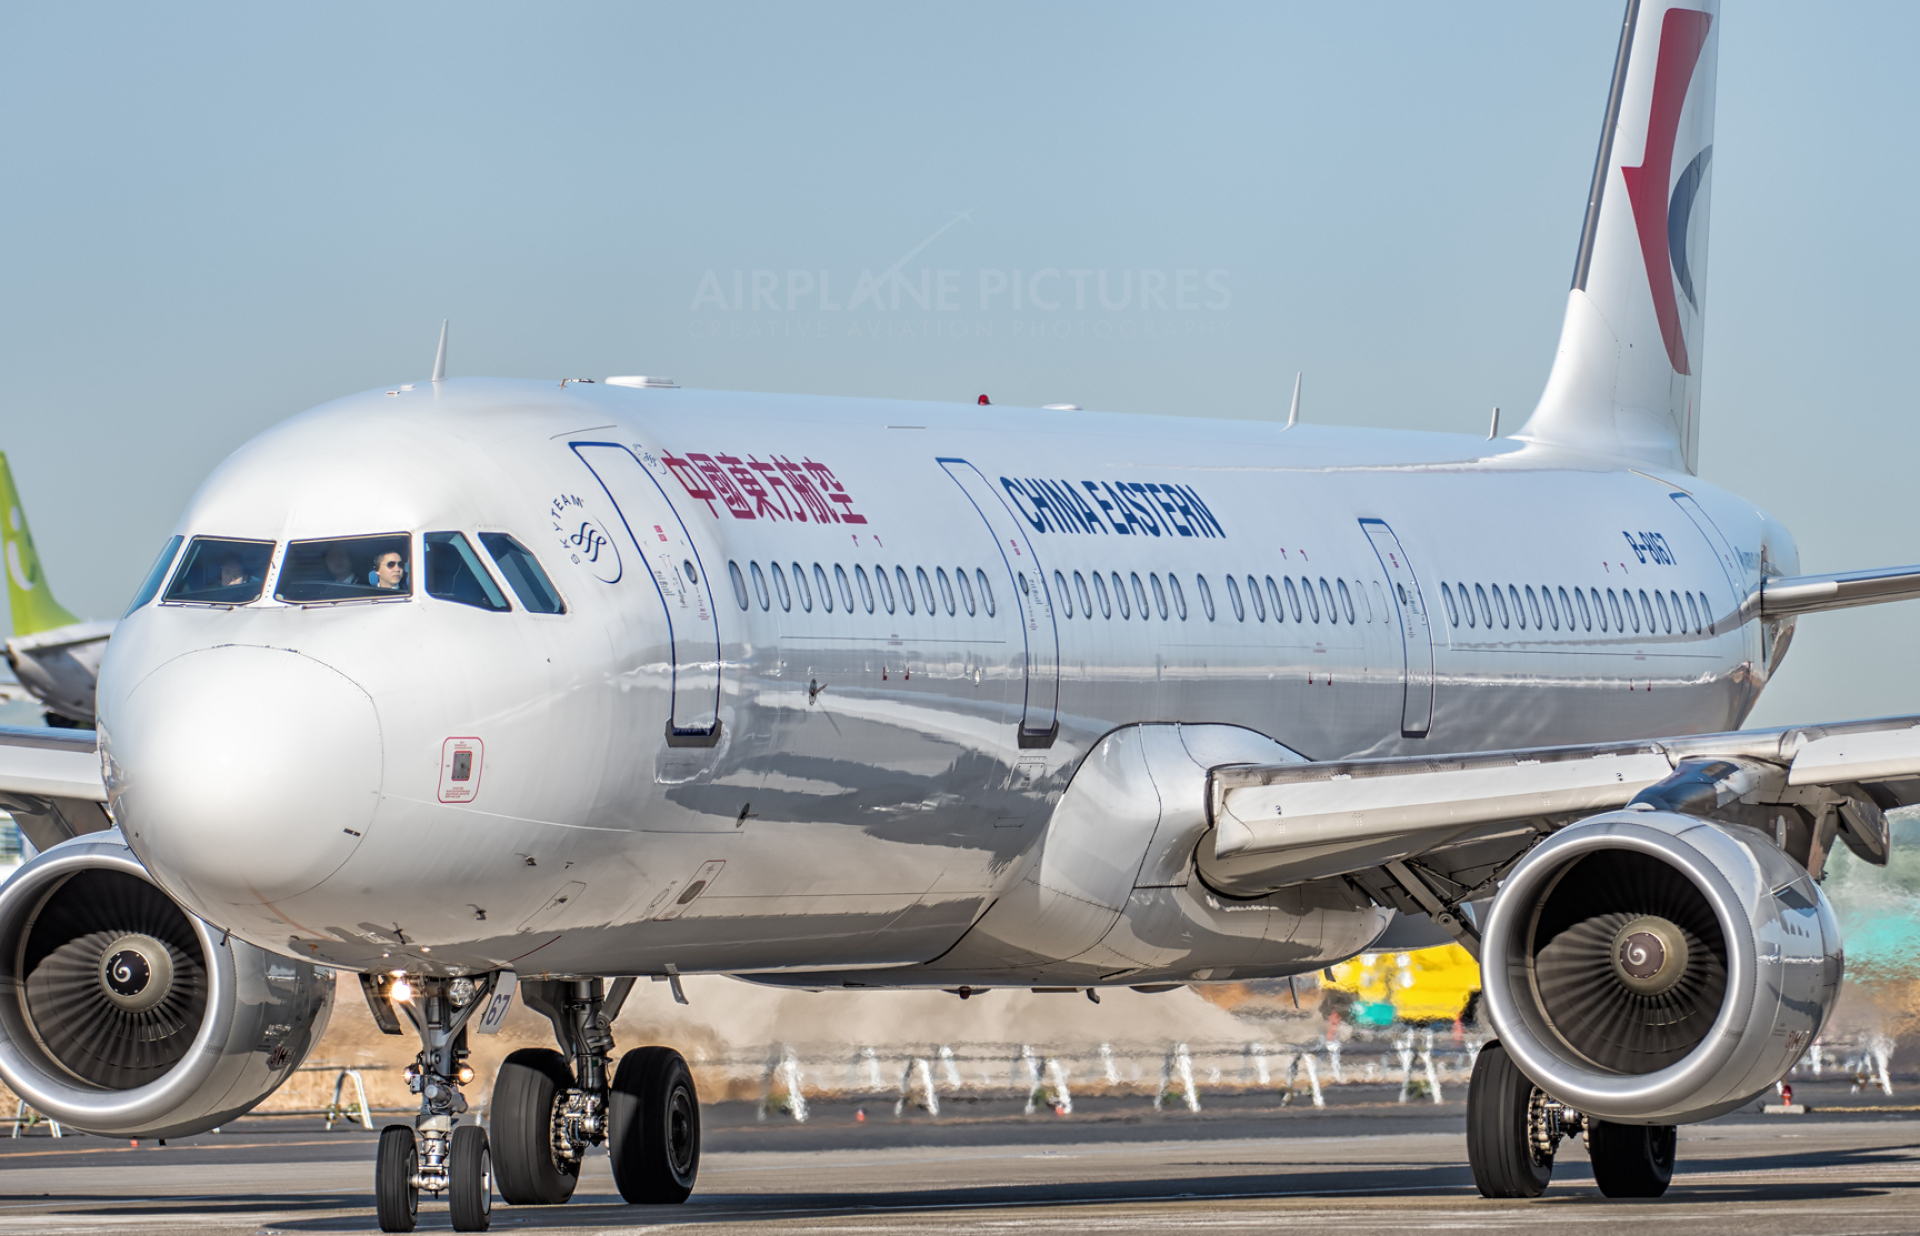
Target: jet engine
[(1653, 968), (123, 1015)]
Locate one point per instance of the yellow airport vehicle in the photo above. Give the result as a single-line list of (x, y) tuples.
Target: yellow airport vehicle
[(1428, 984)]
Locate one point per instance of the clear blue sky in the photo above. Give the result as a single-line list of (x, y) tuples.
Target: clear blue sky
[(219, 216)]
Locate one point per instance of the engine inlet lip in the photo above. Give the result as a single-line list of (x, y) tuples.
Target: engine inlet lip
[(32, 1075), (1525, 1032)]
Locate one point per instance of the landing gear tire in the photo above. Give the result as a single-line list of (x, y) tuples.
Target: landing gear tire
[(470, 1180), (1500, 1147), (1631, 1160), (654, 1132), (396, 1197), (529, 1084)]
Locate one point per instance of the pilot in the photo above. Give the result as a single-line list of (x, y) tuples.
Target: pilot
[(340, 565), (233, 571), (389, 570)]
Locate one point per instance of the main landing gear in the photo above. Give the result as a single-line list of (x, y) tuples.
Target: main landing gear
[(549, 1106), (435, 1154), (1514, 1130)]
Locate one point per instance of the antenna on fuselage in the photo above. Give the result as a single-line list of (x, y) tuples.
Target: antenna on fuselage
[(440, 354), (1493, 430), (1293, 413)]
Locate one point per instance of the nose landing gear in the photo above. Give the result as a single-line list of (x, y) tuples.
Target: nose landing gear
[(436, 1154)]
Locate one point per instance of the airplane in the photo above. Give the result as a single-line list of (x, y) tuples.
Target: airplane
[(625, 681), (55, 656)]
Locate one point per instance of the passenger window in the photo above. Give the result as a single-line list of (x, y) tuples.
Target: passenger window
[(1346, 599), (821, 586), (1179, 598), (1553, 614), (926, 588), (1326, 598), (1080, 586), (1706, 614), (946, 590), (1519, 608), (1533, 607), (1466, 603), (966, 591), (866, 588), (1313, 602), (1666, 619), (759, 585), (1619, 621), (1679, 613), (1066, 597), (454, 573), (1600, 609), (1647, 610), (1273, 599), (1693, 613), (536, 592), (1206, 596), (360, 568), (905, 586), (800, 588), (1159, 594), (1453, 614), (1486, 610), (1120, 596), (846, 589), (986, 590), (157, 574), (1233, 594), (1500, 606), (780, 589), (885, 589), (1139, 593), (1258, 599), (739, 583), (1586, 618), (1100, 586)]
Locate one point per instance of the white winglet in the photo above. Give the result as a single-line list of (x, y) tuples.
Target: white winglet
[(1293, 413), (440, 355)]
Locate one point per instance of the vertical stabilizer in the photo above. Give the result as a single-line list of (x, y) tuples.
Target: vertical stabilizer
[(1626, 378), (33, 606)]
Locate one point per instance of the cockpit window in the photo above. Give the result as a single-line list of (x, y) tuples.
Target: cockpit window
[(454, 573), (157, 576), (217, 571), (524, 576), (354, 568)]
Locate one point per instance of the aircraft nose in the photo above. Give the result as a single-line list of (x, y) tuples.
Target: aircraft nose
[(242, 775)]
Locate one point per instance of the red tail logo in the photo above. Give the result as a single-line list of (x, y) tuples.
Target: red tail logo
[(1683, 35)]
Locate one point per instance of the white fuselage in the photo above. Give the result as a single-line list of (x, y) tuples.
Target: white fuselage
[(851, 787)]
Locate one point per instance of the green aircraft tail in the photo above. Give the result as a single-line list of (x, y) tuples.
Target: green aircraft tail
[(34, 608)]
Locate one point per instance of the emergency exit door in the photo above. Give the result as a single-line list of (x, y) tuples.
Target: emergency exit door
[(1027, 584), (1416, 632)]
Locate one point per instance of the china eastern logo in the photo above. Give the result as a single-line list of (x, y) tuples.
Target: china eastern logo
[(1662, 206), (1117, 508), (777, 488)]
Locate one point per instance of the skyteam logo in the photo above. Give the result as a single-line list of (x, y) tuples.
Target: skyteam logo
[(1662, 205)]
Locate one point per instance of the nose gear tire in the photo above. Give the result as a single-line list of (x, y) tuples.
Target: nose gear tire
[(396, 1198), (655, 1127), (530, 1082), (1631, 1160), (1499, 1129), (470, 1180)]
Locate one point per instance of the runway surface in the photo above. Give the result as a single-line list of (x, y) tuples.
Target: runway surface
[(1355, 1169)]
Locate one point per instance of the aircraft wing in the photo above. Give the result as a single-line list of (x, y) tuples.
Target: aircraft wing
[(1455, 823), (1785, 595), (50, 782)]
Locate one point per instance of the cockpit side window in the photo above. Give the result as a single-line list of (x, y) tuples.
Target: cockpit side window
[(349, 568), (523, 574), (454, 573), (157, 575), (219, 571)]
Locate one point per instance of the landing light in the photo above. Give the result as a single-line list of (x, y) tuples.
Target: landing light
[(402, 990)]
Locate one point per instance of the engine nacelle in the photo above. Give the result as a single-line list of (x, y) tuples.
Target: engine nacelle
[(121, 1014), (1653, 968)]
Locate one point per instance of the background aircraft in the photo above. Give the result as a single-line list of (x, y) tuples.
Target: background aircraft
[(55, 656)]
